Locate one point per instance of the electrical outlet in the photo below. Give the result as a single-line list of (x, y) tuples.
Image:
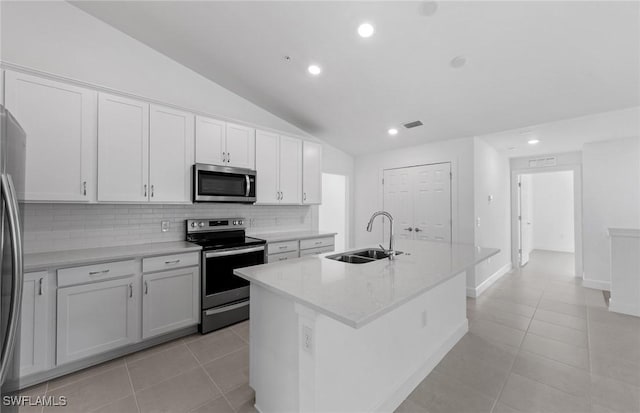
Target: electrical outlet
[(307, 339), (165, 226)]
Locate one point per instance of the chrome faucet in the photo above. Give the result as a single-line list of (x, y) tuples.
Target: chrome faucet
[(390, 251)]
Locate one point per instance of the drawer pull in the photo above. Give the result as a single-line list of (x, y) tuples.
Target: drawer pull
[(40, 290), (131, 290), (318, 242), (284, 247), (146, 288), (172, 262), (98, 272), (282, 259)]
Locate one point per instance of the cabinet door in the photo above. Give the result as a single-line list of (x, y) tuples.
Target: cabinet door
[(123, 149), (170, 301), (311, 173), (171, 141), (290, 170), (60, 123), (241, 146), (210, 141), (33, 329), (95, 318), (267, 174)]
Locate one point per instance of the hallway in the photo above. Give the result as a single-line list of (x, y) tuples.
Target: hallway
[(538, 342)]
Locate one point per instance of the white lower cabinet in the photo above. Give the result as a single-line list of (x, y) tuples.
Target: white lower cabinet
[(170, 300), (34, 326), (95, 318)]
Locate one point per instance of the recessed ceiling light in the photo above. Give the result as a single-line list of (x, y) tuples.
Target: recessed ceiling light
[(393, 131), (429, 8), (314, 70), (533, 141), (458, 62), (366, 30)]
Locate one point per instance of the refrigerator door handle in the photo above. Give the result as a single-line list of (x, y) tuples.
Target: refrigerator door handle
[(9, 198)]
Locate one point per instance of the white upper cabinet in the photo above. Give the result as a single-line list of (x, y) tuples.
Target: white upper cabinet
[(311, 173), (211, 141), (123, 149), (241, 146), (224, 144), (279, 169), (290, 170), (171, 154), (60, 123)]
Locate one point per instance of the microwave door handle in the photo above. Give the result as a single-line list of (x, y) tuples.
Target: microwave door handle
[(248, 191)]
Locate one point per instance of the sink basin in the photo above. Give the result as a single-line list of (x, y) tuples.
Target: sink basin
[(360, 256)]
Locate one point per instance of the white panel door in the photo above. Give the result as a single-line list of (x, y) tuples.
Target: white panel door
[(311, 173), (525, 218), (33, 328), (95, 318), (170, 301), (398, 201), (210, 141), (123, 149), (171, 141), (290, 170), (267, 167), (432, 202), (60, 123), (241, 146)]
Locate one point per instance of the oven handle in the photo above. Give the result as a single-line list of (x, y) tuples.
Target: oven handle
[(246, 177), (226, 308), (238, 251)]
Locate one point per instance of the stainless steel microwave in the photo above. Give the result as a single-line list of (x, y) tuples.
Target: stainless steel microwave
[(212, 183)]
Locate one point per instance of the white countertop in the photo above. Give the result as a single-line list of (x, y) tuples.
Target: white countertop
[(59, 259), (290, 236), (357, 294)]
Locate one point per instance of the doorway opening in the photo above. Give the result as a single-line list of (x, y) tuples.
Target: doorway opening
[(333, 212), (546, 220)]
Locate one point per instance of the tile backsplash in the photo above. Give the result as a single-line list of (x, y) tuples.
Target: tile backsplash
[(57, 227)]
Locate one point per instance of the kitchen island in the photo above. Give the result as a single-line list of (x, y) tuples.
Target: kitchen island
[(330, 336)]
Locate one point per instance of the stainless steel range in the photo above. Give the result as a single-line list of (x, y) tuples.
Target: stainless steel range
[(225, 247)]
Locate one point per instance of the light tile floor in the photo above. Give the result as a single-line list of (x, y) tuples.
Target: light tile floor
[(538, 342)]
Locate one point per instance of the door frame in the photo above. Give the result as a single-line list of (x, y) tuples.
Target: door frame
[(577, 210), (452, 195)]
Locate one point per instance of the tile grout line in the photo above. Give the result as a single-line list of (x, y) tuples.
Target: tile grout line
[(135, 398), (212, 381)]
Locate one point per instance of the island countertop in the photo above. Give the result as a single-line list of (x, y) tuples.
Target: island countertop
[(357, 294)]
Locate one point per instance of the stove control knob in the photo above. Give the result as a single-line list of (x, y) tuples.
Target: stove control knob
[(201, 224), (241, 222), (194, 224), (235, 222)]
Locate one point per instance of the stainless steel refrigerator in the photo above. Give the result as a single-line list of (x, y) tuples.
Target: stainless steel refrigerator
[(12, 174)]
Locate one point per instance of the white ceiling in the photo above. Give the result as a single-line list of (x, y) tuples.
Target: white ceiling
[(527, 62), (567, 135)]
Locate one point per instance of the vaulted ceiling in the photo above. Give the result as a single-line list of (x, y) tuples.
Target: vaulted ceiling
[(526, 62)]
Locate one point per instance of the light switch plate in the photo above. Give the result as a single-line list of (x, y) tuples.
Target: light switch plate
[(165, 226)]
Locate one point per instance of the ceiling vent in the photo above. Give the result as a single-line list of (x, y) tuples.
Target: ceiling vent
[(413, 124)]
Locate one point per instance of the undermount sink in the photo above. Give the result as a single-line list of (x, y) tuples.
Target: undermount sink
[(360, 256)]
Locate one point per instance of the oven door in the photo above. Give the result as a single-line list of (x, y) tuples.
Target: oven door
[(219, 285), (213, 183)]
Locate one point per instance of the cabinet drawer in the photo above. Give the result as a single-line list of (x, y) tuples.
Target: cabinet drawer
[(96, 272), (315, 251), (282, 256), (169, 262), (280, 247), (315, 242)]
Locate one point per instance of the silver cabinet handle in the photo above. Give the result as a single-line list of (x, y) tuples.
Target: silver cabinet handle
[(172, 262), (84, 188), (152, 189), (417, 229), (224, 157), (98, 272), (304, 196), (145, 190), (146, 288), (318, 243), (40, 286), (283, 247), (282, 259), (11, 202), (131, 290), (228, 157), (248, 181), (408, 229)]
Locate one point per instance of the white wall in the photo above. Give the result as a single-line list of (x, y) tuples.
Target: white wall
[(552, 211), (491, 178), (611, 198)]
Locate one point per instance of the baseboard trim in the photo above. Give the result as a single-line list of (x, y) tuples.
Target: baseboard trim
[(629, 309), (596, 284), (475, 292), (403, 391)]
